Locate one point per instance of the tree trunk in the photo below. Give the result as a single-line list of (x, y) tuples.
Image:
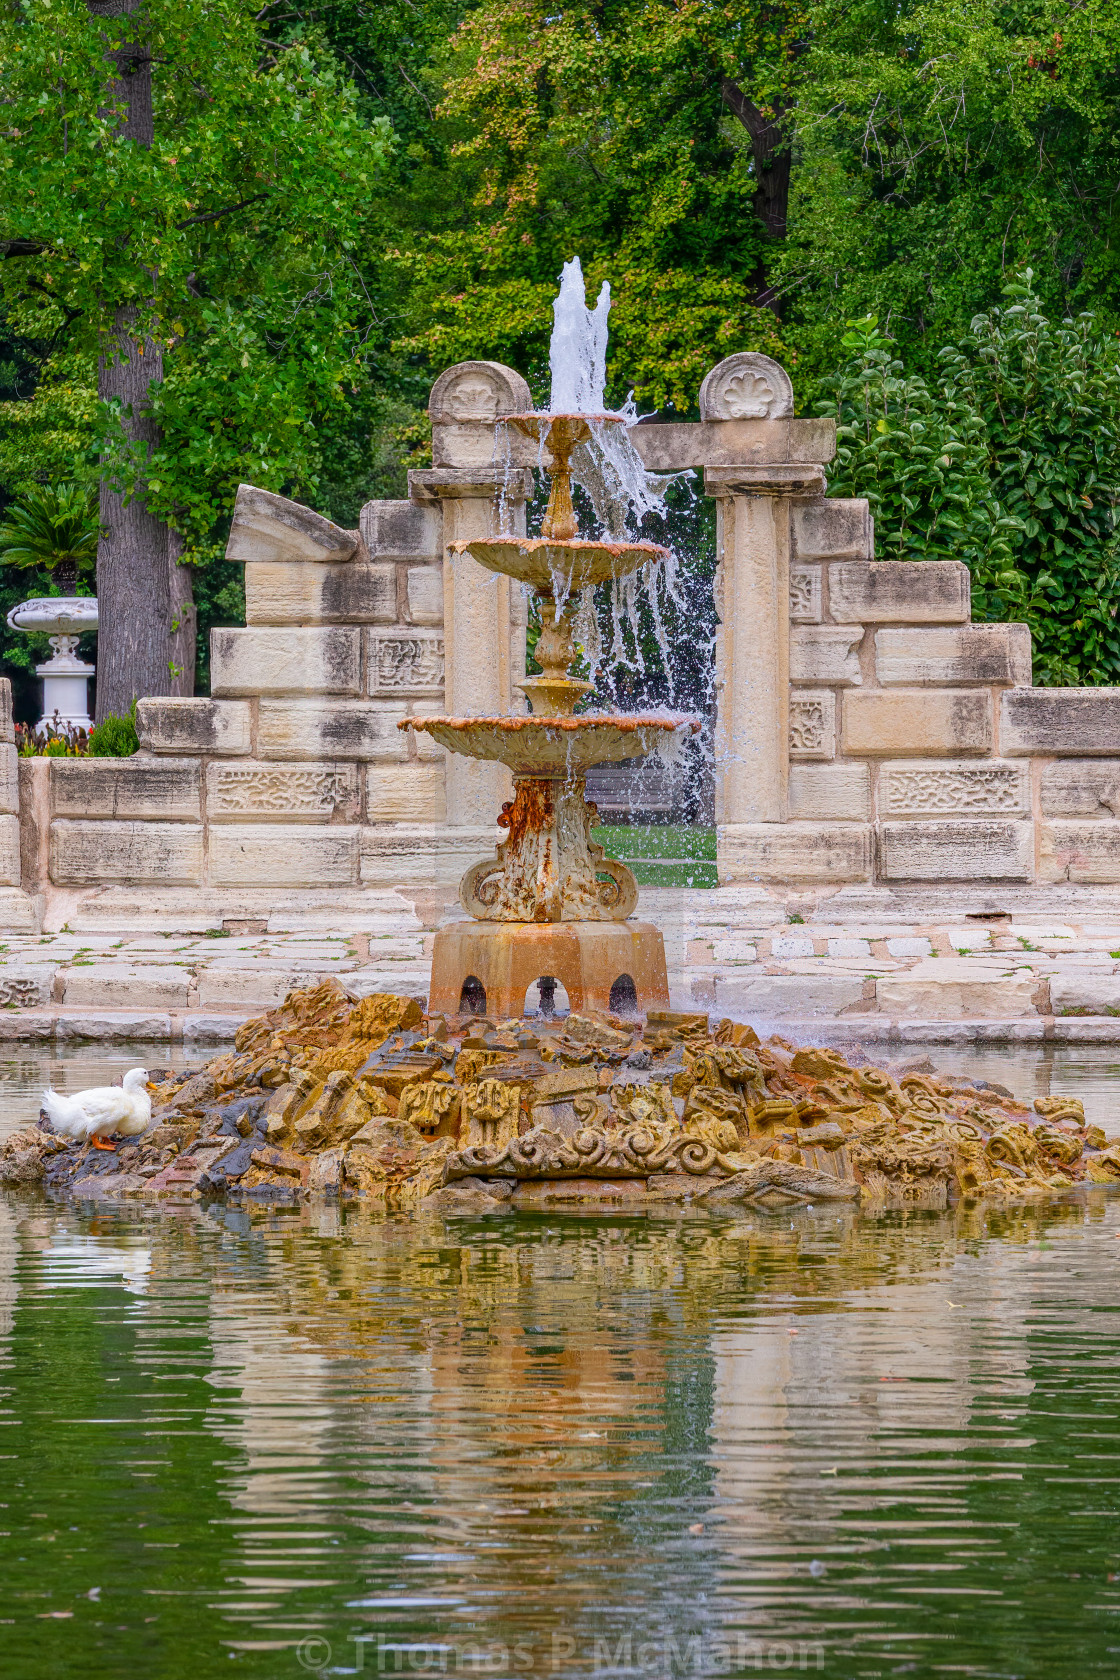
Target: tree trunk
[(772, 158), (184, 624), (134, 643)]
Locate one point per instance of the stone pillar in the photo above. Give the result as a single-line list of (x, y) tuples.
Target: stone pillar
[(484, 615), (752, 658), (752, 587)]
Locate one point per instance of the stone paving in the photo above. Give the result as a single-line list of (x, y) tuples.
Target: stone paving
[(733, 951)]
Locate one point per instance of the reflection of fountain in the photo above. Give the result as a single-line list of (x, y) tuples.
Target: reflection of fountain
[(560, 906), (65, 676)]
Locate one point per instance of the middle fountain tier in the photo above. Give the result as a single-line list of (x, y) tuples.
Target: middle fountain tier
[(549, 873)]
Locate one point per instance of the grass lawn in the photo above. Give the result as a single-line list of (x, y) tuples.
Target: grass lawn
[(663, 855)]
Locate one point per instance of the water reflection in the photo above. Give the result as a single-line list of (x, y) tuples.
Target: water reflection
[(876, 1443)]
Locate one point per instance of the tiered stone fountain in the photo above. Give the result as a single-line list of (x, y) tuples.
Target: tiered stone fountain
[(550, 906)]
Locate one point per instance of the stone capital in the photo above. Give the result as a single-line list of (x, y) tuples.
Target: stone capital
[(767, 479), (434, 484)]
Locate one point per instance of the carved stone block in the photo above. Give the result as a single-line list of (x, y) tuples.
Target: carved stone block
[(10, 867), (411, 793), (826, 653), (270, 661), (425, 594), (1068, 722), (270, 527), (1085, 852), (812, 724), (805, 594), (196, 727), (956, 851), (900, 592), (163, 789), (358, 593), (9, 777), (296, 792), (405, 662), (938, 789), (477, 392), (163, 854), (904, 723), (401, 530), (26, 988), (282, 856), (975, 653), (359, 729), (1086, 787), (7, 724), (830, 792), (794, 852), (747, 386), (491, 1110), (826, 528)]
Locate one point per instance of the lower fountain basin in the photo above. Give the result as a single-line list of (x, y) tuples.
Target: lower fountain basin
[(555, 746), (558, 568)]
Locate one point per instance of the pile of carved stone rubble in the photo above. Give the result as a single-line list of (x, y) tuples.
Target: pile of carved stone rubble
[(376, 1100)]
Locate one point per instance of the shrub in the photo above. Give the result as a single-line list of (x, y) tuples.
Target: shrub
[(1012, 465), (115, 737)]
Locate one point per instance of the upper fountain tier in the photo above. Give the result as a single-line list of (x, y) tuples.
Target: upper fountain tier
[(558, 562)]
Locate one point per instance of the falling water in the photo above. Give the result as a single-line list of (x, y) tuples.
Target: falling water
[(610, 472)]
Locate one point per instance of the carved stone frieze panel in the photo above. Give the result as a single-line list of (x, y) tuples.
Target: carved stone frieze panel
[(939, 789), (812, 724), (300, 792), (406, 662)]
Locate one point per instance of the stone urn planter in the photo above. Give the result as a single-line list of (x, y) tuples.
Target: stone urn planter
[(65, 677)]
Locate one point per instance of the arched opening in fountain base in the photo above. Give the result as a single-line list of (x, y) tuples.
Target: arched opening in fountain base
[(587, 958)]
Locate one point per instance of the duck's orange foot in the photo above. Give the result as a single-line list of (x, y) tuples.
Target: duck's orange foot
[(103, 1143)]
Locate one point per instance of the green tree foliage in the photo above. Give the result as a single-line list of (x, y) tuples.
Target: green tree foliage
[(602, 130), (235, 234), (941, 147), (225, 242), (1011, 463)]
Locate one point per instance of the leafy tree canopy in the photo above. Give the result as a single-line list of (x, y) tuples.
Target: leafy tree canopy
[(236, 234)]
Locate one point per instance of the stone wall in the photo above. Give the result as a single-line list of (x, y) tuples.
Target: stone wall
[(870, 738), (918, 750)]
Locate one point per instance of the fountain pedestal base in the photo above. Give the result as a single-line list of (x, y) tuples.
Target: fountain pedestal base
[(616, 966)]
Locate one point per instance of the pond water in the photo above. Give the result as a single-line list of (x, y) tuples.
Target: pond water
[(325, 1441)]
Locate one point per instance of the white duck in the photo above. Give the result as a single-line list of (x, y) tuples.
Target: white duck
[(92, 1116)]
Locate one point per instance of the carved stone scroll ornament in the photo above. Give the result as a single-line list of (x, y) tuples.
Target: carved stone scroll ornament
[(747, 386), (548, 869), (410, 662), (633, 1152)]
